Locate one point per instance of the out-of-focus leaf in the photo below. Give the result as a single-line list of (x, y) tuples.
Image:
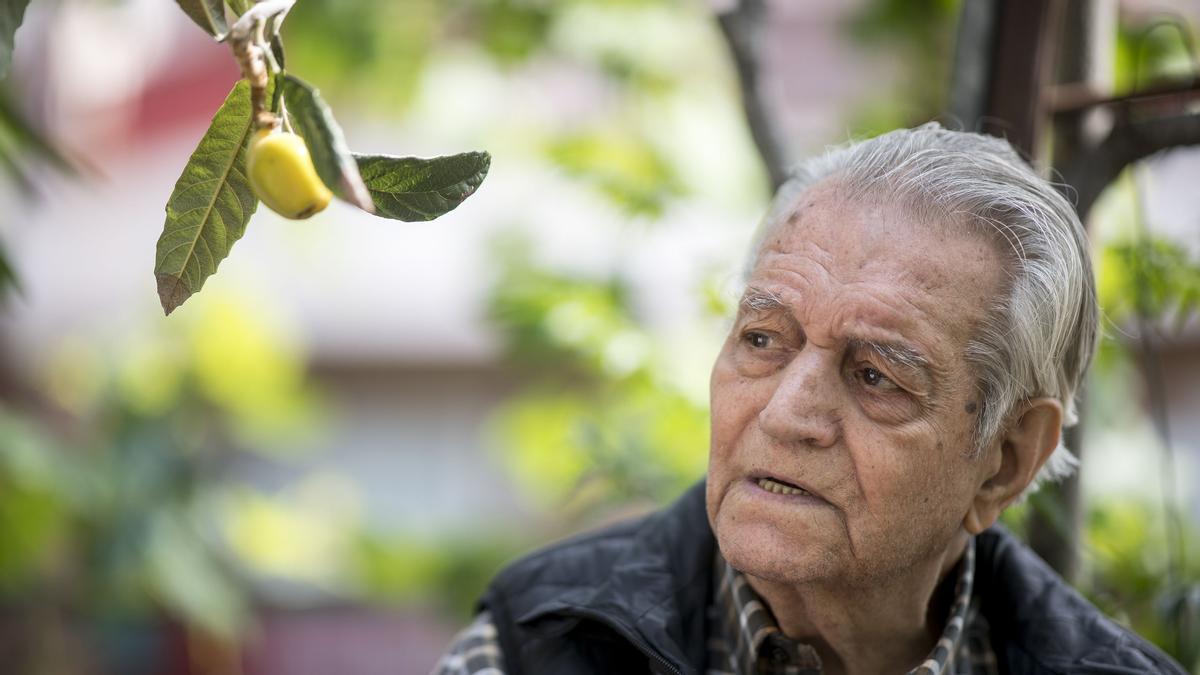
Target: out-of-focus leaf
[(413, 189), (29, 139), (11, 14), (566, 324), (208, 14), (15, 171), (578, 450), (31, 517), (613, 429), (22, 148), (31, 514), (1128, 573), (627, 169), (450, 572), (8, 276), (245, 367), (386, 45), (1150, 52), (314, 121), (513, 31), (186, 579), (1153, 277), (210, 206)]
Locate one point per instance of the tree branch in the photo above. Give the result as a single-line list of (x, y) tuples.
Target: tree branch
[(1074, 97), (1130, 140), (742, 26)]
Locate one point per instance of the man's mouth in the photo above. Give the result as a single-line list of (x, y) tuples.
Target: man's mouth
[(780, 487)]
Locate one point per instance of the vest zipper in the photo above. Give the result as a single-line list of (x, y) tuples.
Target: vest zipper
[(654, 655)]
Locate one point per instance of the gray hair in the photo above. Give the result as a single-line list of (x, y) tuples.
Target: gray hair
[(1039, 335)]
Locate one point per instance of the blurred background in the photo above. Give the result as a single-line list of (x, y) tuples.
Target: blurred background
[(316, 464)]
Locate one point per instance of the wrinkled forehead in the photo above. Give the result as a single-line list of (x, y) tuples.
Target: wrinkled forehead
[(886, 217), (883, 258)]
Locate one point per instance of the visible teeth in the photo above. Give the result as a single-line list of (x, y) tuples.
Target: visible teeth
[(779, 488)]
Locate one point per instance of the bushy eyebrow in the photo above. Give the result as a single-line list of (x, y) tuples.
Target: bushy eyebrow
[(761, 300), (893, 352), (901, 356)]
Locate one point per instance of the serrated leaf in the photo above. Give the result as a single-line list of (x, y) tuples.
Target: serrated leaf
[(210, 206), (414, 189), (208, 14), (313, 120), (11, 14)]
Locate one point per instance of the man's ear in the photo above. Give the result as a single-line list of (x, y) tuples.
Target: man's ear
[(1012, 462)]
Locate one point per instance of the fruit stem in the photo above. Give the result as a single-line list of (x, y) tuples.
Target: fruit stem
[(254, 56)]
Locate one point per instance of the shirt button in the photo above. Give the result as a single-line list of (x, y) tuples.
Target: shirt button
[(778, 656)]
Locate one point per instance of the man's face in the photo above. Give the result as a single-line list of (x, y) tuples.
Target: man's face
[(844, 376)]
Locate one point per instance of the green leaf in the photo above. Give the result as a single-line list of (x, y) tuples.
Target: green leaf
[(210, 206), (277, 50), (208, 14), (313, 120), (26, 139), (412, 189), (11, 14), (239, 7), (8, 276)]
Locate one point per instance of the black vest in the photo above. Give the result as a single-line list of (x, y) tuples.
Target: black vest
[(633, 598)]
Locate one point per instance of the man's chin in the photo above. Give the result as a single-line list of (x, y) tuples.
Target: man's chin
[(760, 549)]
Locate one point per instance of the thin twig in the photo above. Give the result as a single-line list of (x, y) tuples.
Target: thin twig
[(248, 44), (742, 25)]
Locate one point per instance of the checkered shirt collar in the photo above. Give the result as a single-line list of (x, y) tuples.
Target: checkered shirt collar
[(750, 642)]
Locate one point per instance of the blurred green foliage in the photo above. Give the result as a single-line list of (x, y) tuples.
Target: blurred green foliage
[(1136, 568), (628, 170), (1153, 52), (1125, 557), (110, 484), (919, 35), (601, 424), (24, 150), (447, 575), (1150, 276)]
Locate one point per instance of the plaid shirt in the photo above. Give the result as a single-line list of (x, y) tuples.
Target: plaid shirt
[(745, 640)]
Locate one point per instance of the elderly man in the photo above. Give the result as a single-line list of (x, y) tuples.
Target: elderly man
[(918, 315)]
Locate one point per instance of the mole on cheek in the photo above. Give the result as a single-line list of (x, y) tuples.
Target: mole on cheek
[(971, 407)]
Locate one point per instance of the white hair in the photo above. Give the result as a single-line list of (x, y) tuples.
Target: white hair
[(1039, 335)]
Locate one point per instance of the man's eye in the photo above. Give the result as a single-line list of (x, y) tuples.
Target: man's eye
[(876, 380), (757, 340)]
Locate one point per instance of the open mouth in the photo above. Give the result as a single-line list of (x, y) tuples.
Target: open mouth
[(780, 487)]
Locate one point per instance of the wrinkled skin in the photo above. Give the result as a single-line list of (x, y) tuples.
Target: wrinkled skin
[(799, 394)]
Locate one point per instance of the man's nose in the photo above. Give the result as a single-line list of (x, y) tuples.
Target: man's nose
[(803, 408)]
